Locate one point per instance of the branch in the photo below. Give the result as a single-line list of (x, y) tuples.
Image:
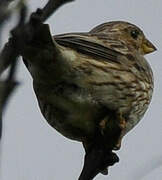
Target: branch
[(51, 7), (4, 11), (97, 161), (9, 53)]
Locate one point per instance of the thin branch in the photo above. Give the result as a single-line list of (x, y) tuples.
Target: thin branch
[(9, 51), (9, 55), (96, 161), (51, 7), (4, 11)]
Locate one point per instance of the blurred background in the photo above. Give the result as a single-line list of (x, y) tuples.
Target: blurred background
[(32, 150)]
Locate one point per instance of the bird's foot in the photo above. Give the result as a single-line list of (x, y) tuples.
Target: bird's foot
[(122, 126), (122, 121), (118, 144)]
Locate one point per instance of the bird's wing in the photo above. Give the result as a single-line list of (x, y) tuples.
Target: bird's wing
[(87, 44)]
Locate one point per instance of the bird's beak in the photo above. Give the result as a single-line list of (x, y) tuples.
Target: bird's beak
[(148, 47)]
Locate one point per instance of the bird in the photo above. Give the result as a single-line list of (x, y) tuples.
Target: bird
[(92, 87)]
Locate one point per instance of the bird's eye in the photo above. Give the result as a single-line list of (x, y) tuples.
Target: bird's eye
[(134, 34)]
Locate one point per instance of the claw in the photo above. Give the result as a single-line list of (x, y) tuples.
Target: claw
[(105, 171), (118, 145)]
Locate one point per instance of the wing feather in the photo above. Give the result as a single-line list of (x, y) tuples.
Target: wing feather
[(82, 42)]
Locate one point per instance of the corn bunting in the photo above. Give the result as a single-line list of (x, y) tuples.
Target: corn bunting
[(95, 86)]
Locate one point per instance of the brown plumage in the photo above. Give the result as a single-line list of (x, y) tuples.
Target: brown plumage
[(98, 85)]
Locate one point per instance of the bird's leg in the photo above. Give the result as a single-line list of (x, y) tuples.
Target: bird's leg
[(122, 125), (99, 155)]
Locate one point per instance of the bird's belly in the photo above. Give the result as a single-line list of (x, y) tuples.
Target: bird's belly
[(73, 115), (75, 105), (76, 115)]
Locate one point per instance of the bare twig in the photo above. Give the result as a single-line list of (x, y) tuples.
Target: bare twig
[(9, 55), (9, 52), (95, 161), (6, 87), (4, 11), (52, 6)]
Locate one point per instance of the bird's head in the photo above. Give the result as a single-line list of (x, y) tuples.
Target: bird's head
[(127, 33)]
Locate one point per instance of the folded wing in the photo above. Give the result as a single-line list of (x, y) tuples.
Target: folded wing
[(85, 44)]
